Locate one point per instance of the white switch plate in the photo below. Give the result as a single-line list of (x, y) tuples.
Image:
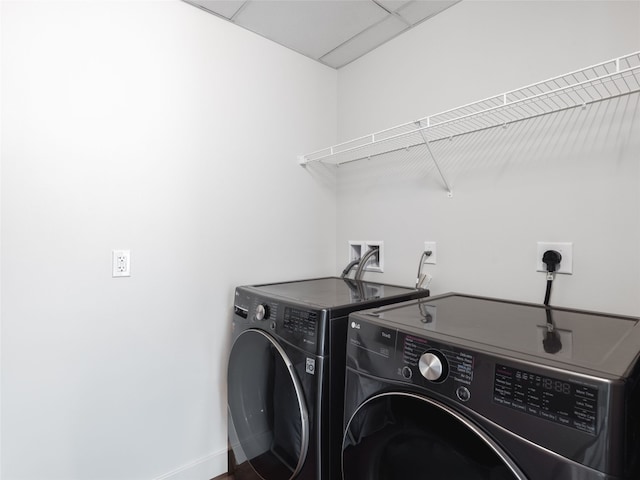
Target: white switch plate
[(564, 248), (121, 263), (430, 247)]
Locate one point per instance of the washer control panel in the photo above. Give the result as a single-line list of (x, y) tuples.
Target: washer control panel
[(433, 366), (471, 378), (558, 400), (435, 361), (413, 359)]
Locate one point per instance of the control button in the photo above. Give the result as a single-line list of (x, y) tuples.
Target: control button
[(463, 394), (433, 366), (262, 312), (407, 372)]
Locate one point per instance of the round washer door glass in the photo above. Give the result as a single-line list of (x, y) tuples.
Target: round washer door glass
[(396, 436), (268, 416)]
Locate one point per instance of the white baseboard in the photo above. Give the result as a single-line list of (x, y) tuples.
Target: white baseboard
[(204, 468)]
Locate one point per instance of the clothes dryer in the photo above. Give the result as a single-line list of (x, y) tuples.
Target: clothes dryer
[(286, 374), (464, 387)]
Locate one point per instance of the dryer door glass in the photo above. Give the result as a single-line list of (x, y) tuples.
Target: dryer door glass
[(397, 436), (269, 424)]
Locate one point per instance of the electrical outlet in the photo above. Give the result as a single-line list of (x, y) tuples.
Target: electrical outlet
[(121, 263), (430, 247), (564, 248), (376, 263)]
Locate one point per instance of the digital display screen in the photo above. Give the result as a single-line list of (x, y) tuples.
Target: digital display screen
[(560, 401)]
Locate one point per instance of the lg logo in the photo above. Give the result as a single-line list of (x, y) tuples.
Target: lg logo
[(355, 325)]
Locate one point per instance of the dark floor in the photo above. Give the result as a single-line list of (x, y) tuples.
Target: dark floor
[(245, 471)]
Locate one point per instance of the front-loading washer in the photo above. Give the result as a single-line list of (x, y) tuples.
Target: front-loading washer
[(286, 374), (465, 387)]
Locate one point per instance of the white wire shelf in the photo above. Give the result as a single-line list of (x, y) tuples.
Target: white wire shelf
[(613, 78)]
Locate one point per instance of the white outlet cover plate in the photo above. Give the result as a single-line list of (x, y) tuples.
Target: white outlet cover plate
[(121, 263), (564, 248)]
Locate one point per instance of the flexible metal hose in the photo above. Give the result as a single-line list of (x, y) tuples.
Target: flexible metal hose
[(363, 262)]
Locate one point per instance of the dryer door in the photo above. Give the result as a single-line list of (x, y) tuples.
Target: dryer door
[(396, 436), (268, 419)]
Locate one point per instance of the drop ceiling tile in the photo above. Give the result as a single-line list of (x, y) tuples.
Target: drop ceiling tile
[(335, 32), (365, 42), (419, 10), (311, 27), (224, 8)]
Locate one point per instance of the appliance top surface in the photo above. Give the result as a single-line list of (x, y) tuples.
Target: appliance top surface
[(333, 292), (604, 343)]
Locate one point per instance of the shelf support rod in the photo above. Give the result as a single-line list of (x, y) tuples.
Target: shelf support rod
[(435, 162)]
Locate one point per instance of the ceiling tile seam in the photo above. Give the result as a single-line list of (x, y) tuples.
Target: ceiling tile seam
[(435, 13), (205, 9), (395, 14), (211, 12), (235, 15), (382, 7), (360, 33)]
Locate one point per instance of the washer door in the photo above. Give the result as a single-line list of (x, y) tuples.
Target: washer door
[(269, 423), (396, 436)]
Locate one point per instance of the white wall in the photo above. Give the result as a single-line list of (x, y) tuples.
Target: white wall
[(572, 176), (154, 127)]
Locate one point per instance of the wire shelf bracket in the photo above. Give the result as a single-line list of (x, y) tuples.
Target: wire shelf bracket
[(613, 78), (435, 162)]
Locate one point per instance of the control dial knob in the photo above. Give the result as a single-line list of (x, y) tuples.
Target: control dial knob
[(262, 311), (433, 366)]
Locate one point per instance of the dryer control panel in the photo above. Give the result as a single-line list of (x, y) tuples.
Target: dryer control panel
[(299, 326), (300, 321)]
